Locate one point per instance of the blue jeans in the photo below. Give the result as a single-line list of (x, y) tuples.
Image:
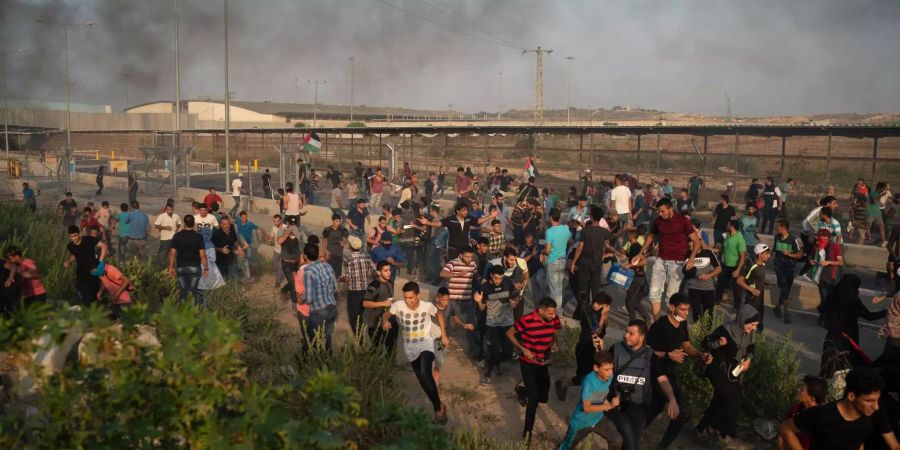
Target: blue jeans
[(323, 319), (556, 273), (123, 243), (188, 280)]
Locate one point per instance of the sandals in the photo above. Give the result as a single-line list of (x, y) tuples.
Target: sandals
[(440, 417)]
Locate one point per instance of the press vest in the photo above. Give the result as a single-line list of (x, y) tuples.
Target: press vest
[(636, 376)]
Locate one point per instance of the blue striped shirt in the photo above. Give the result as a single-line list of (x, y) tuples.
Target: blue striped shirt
[(319, 285)]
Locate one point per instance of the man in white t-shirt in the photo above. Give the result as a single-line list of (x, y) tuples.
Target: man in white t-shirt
[(236, 185), (621, 200), (167, 223), (205, 219)]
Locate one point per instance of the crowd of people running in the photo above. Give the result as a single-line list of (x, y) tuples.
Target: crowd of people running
[(509, 258)]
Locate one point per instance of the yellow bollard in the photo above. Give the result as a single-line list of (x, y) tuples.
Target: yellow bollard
[(113, 156), (98, 155), (237, 166), (255, 165)]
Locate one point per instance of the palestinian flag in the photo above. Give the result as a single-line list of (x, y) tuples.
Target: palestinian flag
[(311, 143)]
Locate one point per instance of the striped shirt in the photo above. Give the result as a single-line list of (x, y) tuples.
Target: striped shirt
[(356, 267), (461, 276), (320, 285), (536, 335)]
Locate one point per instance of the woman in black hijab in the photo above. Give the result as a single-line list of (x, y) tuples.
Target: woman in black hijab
[(731, 346), (840, 316)]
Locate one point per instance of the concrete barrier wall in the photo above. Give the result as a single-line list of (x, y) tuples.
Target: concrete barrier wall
[(870, 257)]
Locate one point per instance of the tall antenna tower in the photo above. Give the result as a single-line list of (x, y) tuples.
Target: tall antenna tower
[(727, 107), (539, 84)]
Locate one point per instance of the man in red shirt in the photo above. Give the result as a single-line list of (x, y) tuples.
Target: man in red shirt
[(673, 232), (211, 199), (32, 288), (536, 333), (463, 184)]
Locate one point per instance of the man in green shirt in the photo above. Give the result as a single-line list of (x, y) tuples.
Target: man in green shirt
[(734, 249)]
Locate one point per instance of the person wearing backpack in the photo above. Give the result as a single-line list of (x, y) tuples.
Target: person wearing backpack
[(753, 281)]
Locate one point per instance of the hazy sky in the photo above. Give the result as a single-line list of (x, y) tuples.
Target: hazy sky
[(773, 57)]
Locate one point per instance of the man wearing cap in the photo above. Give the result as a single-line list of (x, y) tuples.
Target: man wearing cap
[(236, 185), (356, 270), (389, 252), (753, 281)]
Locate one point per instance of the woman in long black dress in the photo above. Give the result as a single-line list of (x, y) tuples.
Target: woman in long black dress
[(731, 346)]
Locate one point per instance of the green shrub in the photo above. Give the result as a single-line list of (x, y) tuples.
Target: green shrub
[(356, 124), (300, 125), (769, 384), (41, 238)]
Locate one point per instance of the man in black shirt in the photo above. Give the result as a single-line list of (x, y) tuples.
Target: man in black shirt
[(668, 337), (458, 227), (376, 301), (83, 251), (267, 184), (187, 260), (588, 259), (429, 188), (68, 209), (723, 214), (788, 250), (844, 424), (684, 204), (225, 240)]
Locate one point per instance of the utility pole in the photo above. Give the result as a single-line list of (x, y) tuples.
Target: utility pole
[(227, 105), (569, 90), (177, 141), (316, 83), (66, 26), (500, 96), (297, 90), (3, 54), (539, 84), (727, 107), (352, 60), (125, 76)]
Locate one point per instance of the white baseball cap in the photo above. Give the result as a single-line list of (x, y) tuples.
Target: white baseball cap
[(760, 248)]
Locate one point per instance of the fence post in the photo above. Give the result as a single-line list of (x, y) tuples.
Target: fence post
[(874, 158), (737, 145), (658, 138), (581, 148), (487, 156), (639, 167), (705, 154), (828, 160), (783, 145)]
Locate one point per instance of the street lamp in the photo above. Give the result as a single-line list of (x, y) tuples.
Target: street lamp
[(568, 90), (500, 95), (3, 54), (66, 26), (227, 103)]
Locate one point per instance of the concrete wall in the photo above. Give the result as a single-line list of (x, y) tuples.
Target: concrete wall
[(97, 121), (870, 257)]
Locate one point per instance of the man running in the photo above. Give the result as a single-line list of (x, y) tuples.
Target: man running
[(83, 252), (187, 260)]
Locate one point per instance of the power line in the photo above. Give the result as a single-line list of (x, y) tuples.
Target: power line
[(450, 70), (460, 18), (455, 30)]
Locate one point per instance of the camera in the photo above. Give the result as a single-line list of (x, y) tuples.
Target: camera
[(625, 392)]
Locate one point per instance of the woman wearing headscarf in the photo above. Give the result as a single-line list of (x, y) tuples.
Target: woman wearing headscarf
[(214, 277), (731, 346), (840, 317)]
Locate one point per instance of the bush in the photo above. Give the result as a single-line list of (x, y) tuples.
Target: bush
[(356, 125), (300, 125), (769, 385), (41, 238)]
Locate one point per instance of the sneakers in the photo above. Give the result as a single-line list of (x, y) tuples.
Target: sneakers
[(521, 395), (805, 278), (484, 379), (777, 311), (561, 390)]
